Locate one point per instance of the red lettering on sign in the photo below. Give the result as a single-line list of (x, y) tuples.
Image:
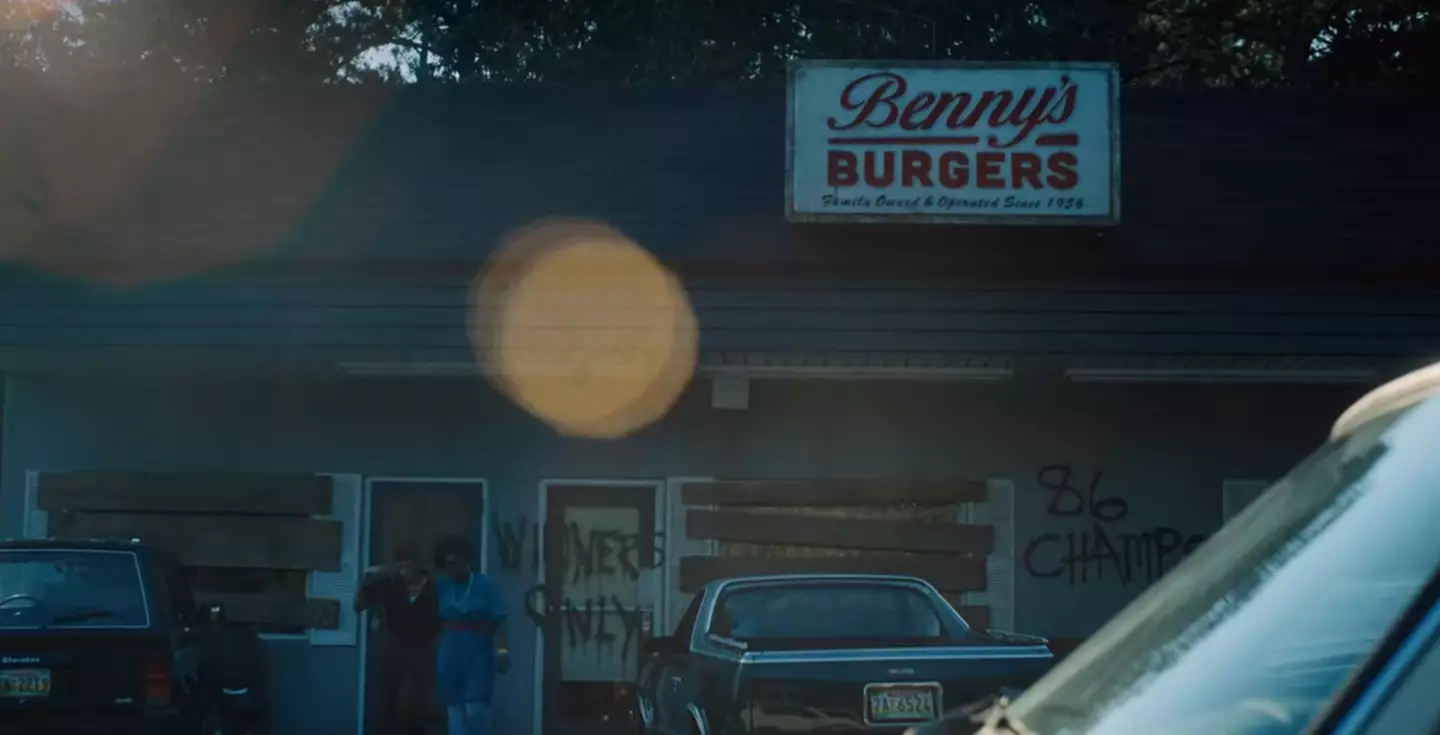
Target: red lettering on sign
[(888, 133), (841, 169), (954, 170), (1025, 169), (1062, 171), (913, 167), (989, 175), (883, 100)]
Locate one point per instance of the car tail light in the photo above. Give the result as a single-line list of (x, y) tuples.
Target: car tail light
[(158, 681)]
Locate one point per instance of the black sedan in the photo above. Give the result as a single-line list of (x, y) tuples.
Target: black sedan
[(824, 653)]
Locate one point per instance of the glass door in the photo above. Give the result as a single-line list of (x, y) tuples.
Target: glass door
[(600, 559), (414, 515)]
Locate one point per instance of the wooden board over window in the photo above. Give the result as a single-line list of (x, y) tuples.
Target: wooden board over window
[(966, 573), (839, 533), (838, 527), (978, 616), (186, 492), (280, 611), (246, 540), (267, 542), (834, 493)]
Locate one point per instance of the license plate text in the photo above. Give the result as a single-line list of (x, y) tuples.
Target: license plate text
[(24, 683), (900, 704)]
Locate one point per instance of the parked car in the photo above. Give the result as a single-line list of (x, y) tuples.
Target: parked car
[(1316, 610), (105, 637), (823, 653)]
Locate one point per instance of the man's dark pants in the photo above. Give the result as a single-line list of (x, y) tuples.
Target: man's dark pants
[(407, 687)]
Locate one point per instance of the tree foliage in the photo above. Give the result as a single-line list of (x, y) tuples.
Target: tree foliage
[(1268, 43)]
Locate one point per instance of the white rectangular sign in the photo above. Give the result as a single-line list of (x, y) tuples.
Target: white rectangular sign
[(953, 143)]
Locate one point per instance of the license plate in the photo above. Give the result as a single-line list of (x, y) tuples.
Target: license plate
[(24, 683), (901, 704)]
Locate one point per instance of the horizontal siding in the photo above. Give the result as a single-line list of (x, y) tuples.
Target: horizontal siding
[(800, 315), (897, 338), (329, 320), (402, 175), (22, 289)]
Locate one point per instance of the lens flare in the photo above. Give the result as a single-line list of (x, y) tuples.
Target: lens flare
[(18, 15), (126, 189), (584, 328)]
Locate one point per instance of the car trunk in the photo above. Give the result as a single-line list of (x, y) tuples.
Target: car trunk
[(90, 669), (879, 689)]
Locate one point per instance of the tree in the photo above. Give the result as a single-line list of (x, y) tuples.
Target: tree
[(1294, 43)]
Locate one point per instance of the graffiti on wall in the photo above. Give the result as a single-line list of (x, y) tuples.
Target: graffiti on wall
[(1101, 545), (598, 567), (585, 552)]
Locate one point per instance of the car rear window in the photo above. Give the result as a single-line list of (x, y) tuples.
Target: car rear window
[(71, 588), (814, 611)]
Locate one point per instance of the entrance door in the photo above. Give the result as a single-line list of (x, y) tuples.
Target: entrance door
[(416, 514), (600, 561)]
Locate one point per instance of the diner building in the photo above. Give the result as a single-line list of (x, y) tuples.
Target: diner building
[(631, 339)]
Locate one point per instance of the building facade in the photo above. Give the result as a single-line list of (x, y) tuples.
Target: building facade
[(264, 317)]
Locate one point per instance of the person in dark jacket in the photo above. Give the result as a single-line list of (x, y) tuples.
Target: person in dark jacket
[(240, 673), (403, 595)]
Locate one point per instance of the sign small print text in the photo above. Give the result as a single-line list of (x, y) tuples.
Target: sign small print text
[(930, 202)]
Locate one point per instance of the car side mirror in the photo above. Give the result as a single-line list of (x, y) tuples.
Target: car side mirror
[(212, 612)]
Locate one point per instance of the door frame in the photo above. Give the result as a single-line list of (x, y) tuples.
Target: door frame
[(362, 621), (542, 515), (677, 545)]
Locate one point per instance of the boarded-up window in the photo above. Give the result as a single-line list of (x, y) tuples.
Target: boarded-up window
[(825, 526), (253, 542), (239, 589)]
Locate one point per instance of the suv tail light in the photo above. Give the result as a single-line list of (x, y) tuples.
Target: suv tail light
[(159, 676)]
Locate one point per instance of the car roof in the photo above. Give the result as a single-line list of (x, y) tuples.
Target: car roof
[(818, 578), (1398, 394)]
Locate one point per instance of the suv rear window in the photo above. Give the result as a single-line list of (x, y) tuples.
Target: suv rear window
[(71, 588)]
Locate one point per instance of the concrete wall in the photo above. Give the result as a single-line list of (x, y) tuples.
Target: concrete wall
[(1161, 451)]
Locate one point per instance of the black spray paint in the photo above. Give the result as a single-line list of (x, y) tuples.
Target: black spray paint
[(1088, 553), (597, 621), (583, 555)]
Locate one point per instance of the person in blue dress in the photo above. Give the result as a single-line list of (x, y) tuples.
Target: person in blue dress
[(472, 647)]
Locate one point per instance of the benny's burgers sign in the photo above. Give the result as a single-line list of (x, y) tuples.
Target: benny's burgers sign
[(952, 143)]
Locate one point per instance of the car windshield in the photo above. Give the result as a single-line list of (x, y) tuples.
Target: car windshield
[(810, 611), (1261, 626), (70, 588)]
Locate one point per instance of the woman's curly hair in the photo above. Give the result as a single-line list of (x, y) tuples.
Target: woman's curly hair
[(453, 547)]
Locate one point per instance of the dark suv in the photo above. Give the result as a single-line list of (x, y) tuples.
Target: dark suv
[(105, 637)]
